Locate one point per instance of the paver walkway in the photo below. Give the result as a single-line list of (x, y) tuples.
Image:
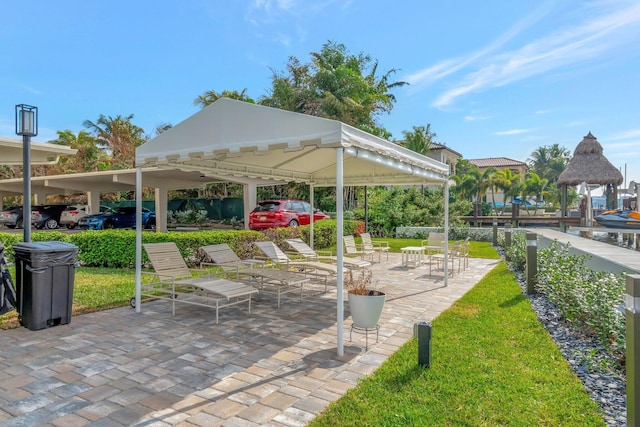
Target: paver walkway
[(276, 367)]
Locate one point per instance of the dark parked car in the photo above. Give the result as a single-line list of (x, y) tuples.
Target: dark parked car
[(11, 217), (283, 213), (46, 216), (122, 217)]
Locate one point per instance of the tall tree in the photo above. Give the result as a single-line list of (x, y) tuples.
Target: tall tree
[(119, 136), (510, 184), (210, 96), (549, 161), (88, 158), (420, 139), (336, 85)]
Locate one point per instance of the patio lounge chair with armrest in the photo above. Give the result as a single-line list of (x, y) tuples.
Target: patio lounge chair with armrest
[(173, 280), (434, 244), (321, 270), (377, 246), (453, 255), (282, 281), (306, 252), (351, 249)]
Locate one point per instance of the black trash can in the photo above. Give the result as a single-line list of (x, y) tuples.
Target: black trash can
[(44, 283)]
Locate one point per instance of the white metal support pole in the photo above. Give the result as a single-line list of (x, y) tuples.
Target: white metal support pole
[(138, 237), (340, 247), (632, 316), (446, 232), (311, 220)]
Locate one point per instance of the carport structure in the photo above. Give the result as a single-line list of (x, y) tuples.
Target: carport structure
[(93, 184), (42, 153), (238, 140)]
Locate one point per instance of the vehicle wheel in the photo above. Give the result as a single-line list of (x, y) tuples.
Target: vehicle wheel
[(150, 225), (107, 225), (132, 302), (293, 223), (19, 223), (51, 224), (71, 227)]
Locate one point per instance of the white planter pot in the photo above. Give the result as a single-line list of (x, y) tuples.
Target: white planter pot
[(366, 309)]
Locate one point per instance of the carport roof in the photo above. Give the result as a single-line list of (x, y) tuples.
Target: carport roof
[(41, 152), (108, 181)]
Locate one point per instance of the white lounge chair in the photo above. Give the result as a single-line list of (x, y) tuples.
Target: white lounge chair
[(255, 270), (320, 270), (173, 280), (377, 246), (351, 249), (306, 252)]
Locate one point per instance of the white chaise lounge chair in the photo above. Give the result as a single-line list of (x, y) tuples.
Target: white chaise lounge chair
[(174, 281), (254, 270)]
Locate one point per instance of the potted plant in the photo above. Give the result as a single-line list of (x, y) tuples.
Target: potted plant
[(365, 302)]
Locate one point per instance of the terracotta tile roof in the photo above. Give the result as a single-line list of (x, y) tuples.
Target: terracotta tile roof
[(497, 162), (436, 146)]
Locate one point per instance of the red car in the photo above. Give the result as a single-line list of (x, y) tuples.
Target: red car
[(283, 213)]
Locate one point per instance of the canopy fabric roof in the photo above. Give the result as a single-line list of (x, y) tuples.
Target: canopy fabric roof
[(239, 139), (589, 165), (41, 152)]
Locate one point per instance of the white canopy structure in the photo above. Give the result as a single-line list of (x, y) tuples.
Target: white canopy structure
[(41, 152), (258, 145)]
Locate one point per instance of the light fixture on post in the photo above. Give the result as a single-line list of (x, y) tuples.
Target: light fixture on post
[(27, 126)]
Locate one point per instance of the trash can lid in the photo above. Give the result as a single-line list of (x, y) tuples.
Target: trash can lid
[(52, 246)]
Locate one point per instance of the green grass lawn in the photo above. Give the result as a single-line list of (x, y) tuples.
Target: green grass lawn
[(493, 363)]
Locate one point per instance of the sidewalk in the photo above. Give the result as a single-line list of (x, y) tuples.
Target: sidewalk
[(276, 367)]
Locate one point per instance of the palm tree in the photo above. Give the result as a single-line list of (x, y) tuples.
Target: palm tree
[(420, 139), (535, 186), (210, 96), (89, 157), (119, 136), (335, 85), (509, 183), (549, 161)]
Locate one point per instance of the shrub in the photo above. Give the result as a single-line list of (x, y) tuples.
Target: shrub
[(589, 299), (10, 239)]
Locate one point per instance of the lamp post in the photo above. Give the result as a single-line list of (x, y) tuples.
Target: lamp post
[(27, 126)]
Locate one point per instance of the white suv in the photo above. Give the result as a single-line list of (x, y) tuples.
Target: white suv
[(71, 215)]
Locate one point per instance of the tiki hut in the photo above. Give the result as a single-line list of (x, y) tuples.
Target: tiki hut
[(589, 165)]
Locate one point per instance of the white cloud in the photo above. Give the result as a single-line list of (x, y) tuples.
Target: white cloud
[(603, 36), (471, 118), (450, 66), (512, 132), (632, 133), (275, 16)]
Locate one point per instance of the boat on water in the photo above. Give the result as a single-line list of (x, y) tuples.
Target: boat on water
[(619, 219)]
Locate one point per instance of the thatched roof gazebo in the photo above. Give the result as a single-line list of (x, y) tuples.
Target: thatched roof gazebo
[(589, 165)]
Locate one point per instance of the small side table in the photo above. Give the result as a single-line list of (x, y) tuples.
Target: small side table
[(412, 256)]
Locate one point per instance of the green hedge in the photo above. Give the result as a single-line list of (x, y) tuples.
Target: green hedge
[(117, 249)]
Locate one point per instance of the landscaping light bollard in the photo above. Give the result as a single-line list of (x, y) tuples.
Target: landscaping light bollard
[(532, 262), (507, 242), (632, 314), (422, 331), (495, 232)]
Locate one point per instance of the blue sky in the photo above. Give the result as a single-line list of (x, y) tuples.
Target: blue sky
[(493, 78)]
